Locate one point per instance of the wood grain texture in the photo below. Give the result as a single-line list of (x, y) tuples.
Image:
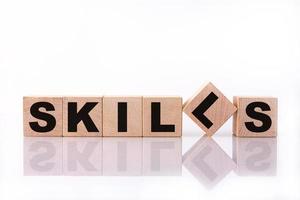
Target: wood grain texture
[(134, 116), (95, 114), (240, 117), (27, 117), (218, 113), (170, 113)]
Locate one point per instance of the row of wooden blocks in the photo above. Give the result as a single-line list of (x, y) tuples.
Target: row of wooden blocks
[(154, 116)]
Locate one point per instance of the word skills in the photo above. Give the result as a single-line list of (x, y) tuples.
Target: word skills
[(148, 116)]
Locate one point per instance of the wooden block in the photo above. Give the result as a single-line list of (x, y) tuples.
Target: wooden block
[(208, 162), (209, 108), (255, 156), (122, 116), (162, 116), (42, 116), (256, 117), (82, 116)]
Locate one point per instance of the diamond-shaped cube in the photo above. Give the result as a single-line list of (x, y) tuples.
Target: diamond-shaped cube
[(209, 108)]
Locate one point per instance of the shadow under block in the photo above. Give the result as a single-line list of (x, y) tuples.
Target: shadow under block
[(209, 108), (162, 116), (122, 116), (82, 116), (256, 117), (42, 116)]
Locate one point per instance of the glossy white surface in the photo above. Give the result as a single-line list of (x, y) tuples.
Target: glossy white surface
[(143, 168)]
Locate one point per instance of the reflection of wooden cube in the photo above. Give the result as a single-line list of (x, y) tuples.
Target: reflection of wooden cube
[(256, 117), (122, 156), (82, 156), (42, 116), (255, 156), (209, 108), (82, 116), (208, 162), (122, 116), (162, 116), (42, 156), (162, 156)]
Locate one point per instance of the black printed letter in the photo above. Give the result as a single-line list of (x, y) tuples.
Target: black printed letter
[(155, 120), (35, 112), (204, 106), (122, 117), (265, 119), (83, 115)]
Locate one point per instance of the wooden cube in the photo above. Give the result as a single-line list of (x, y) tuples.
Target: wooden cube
[(209, 108), (255, 156), (122, 116), (42, 116), (256, 117), (82, 116), (162, 116), (208, 162)]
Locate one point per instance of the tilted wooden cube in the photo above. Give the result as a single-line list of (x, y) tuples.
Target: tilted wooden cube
[(209, 108), (256, 117)]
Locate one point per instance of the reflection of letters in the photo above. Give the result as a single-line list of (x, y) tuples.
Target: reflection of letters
[(162, 156), (76, 157), (82, 156), (255, 156), (122, 156), (257, 161), (207, 162), (156, 157), (41, 161), (42, 156), (203, 166)]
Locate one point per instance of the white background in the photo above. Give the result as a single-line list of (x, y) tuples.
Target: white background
[(154, 47)]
